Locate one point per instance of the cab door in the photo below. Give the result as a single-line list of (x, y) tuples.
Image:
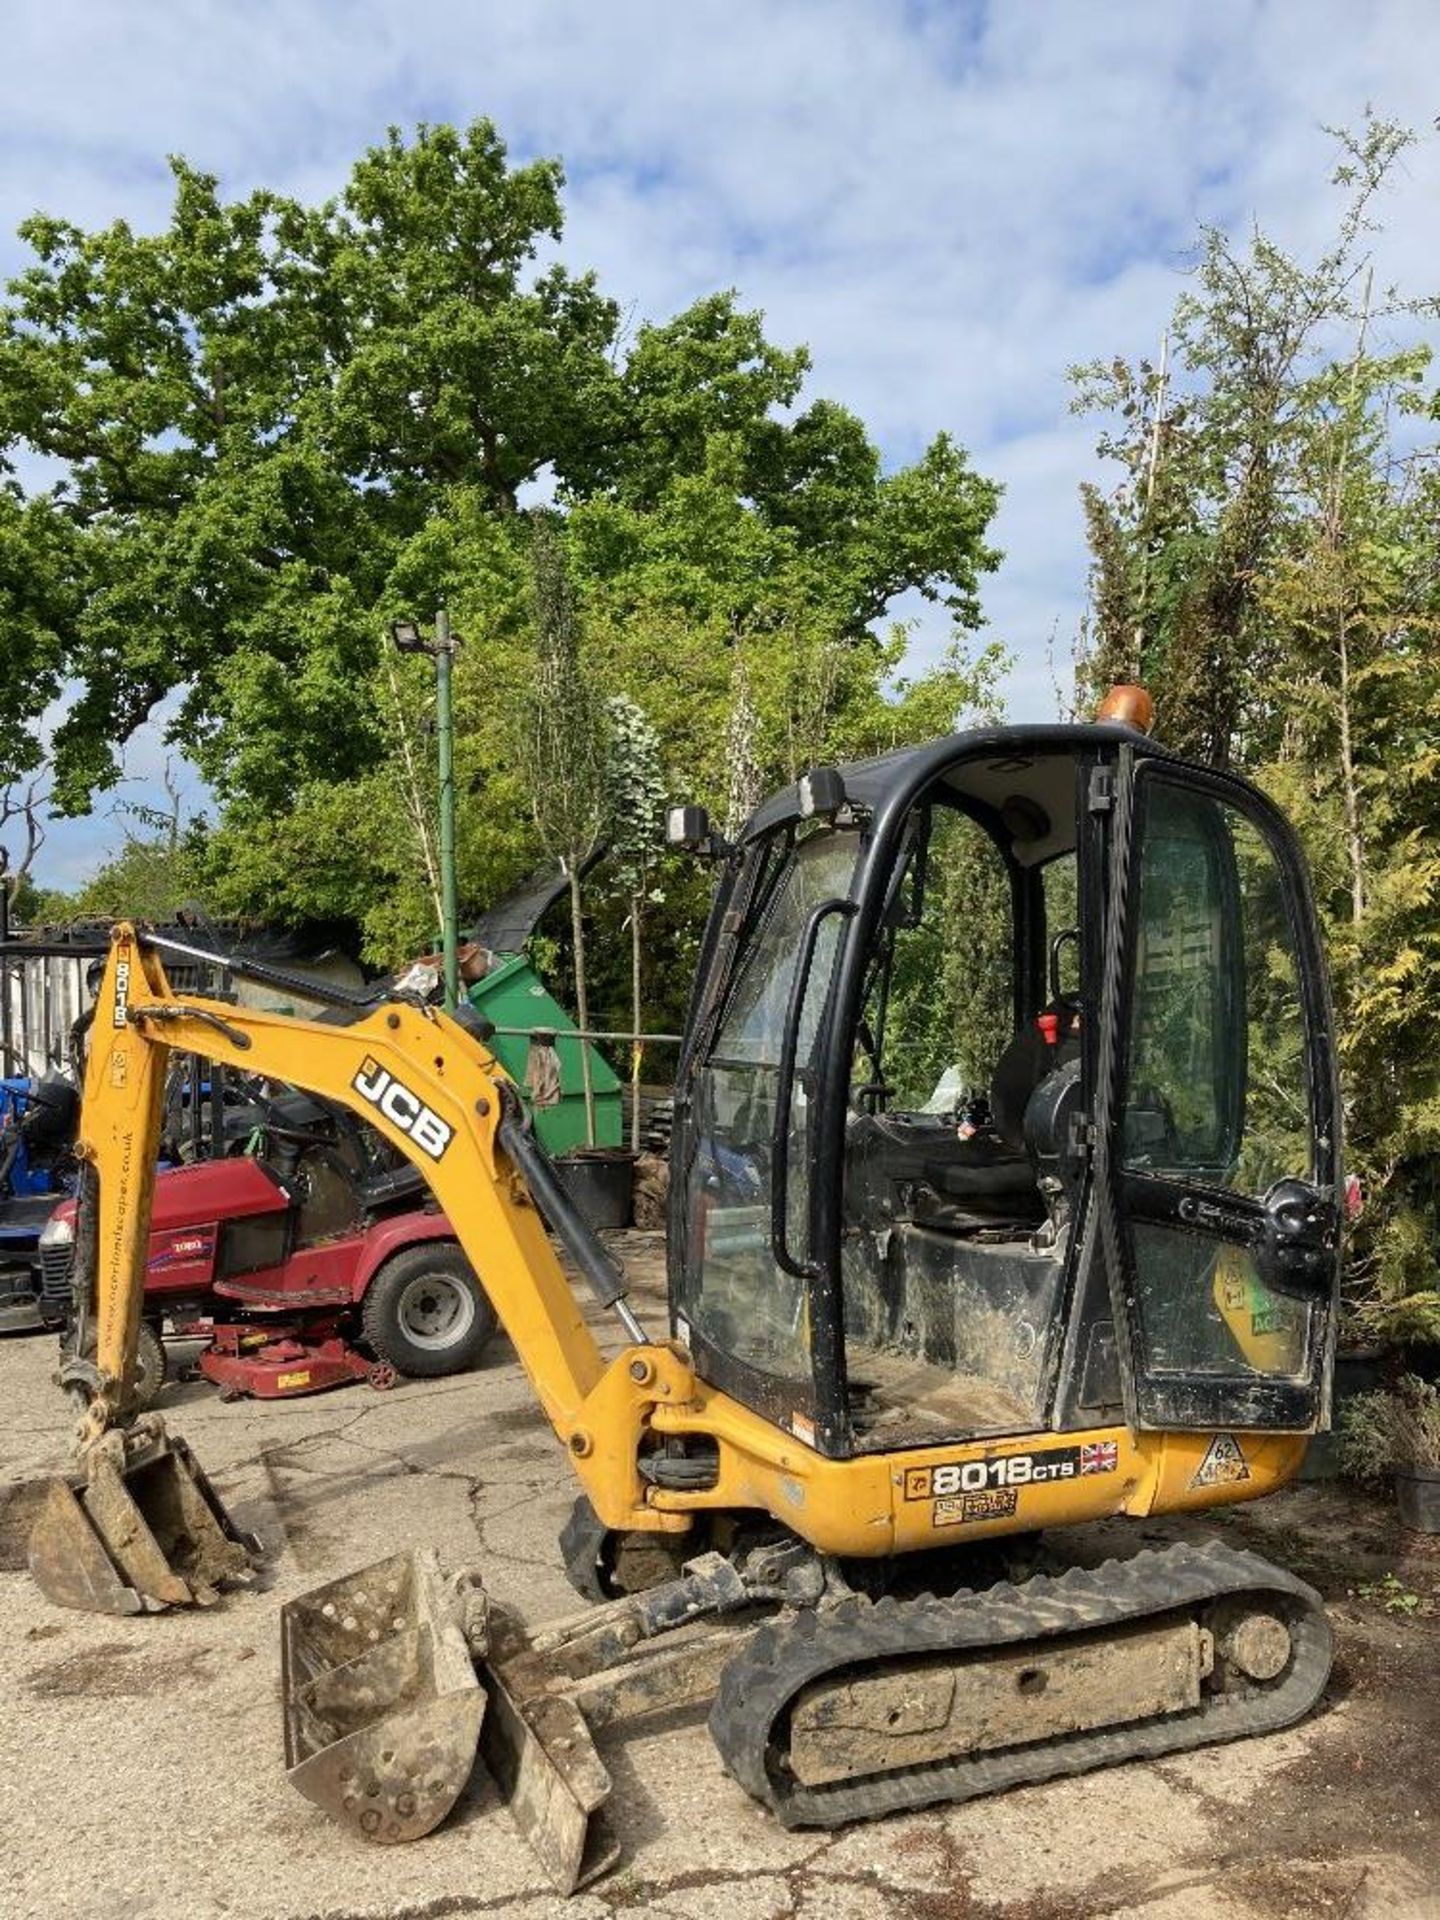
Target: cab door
[(1217, 1121)]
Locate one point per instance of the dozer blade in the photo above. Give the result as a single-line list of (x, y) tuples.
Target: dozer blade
[(139, 1529), (539, 1750), (382, 1706)]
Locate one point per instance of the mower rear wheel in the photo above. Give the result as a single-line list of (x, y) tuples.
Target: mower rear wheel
[(426, 1313), (150, 1364), (149, 1368)]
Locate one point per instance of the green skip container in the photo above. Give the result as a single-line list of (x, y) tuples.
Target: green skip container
[(513, 996)]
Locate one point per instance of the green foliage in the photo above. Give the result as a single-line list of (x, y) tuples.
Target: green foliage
[(1394, 1596), (1400, 1302), (564, 739), (564, 751), (635, 786), (150, 878), (281, 425), (1212, 444), (32, 906), (950, 996), (256, 409)]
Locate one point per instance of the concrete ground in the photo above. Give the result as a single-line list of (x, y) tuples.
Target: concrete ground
[(140, 1761)]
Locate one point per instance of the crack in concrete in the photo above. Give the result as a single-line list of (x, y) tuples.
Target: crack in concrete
[(438, 1909), (284, 1457), (511, 1556), (1354, 1893), (799, 1879)]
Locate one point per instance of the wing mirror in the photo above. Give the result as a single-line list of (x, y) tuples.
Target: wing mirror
[(688, 830)]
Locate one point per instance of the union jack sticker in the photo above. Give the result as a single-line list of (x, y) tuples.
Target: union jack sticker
[(1100, 1456)]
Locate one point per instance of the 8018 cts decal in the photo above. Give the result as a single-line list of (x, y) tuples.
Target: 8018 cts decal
[(403, 1109), (1011, 1470)]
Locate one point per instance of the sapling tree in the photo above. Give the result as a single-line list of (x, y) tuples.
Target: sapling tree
[(1270, 566), (743, 790), (637, 807), (563, 747)]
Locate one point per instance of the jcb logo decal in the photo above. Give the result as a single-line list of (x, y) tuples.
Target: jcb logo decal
[(403, 1109)]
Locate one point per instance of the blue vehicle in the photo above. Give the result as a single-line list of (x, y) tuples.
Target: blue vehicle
[(37, 1168)]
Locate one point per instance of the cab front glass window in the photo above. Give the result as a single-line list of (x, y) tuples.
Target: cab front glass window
[(734, 1293)]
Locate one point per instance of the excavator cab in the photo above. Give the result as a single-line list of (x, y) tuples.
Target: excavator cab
[(1008, 1104)]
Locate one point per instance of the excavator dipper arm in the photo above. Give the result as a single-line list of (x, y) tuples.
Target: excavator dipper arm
[(413, 1074)]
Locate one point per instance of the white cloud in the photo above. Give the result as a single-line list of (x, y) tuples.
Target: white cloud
[(950, 202)]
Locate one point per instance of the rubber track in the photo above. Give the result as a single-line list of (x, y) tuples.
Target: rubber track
[(749, 1719)]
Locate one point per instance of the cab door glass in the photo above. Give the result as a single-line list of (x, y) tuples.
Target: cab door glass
[(1217, 1093)]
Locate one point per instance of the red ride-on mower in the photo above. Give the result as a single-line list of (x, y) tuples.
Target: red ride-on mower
[(301, 1280)]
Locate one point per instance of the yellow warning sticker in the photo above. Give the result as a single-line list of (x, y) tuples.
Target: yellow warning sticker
[(1223, 1465), (292, 1379)]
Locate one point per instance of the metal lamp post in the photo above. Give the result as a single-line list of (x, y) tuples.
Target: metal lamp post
[(409, 639)]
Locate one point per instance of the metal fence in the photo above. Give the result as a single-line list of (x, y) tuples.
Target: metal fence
[(42, 995)]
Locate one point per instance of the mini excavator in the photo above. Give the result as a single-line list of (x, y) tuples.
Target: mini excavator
[(1004, 1196)]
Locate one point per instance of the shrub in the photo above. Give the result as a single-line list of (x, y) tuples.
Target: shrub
[(1393, 1427)]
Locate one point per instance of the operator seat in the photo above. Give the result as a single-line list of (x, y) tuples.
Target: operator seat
[(1035, 1050), (993, 1175)]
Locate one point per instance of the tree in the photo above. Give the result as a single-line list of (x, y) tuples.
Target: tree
[(22, 821), (1271, 568), (637, 818), (1208, 449), (565, 754), (148, 879), (280, 425), (742, 722), (255, 409)]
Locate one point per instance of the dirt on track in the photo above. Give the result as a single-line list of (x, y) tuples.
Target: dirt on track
[(141, 1769)]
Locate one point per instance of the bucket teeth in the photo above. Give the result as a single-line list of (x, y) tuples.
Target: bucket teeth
[(139, 1530)]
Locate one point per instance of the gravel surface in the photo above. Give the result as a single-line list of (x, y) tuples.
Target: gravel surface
[(140, 1761)]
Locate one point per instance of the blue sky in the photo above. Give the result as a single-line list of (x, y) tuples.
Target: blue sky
[(951, 203)]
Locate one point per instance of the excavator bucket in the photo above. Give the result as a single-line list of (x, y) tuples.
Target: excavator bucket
[(383, 1712), (382, 1706), (139, 1529)]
